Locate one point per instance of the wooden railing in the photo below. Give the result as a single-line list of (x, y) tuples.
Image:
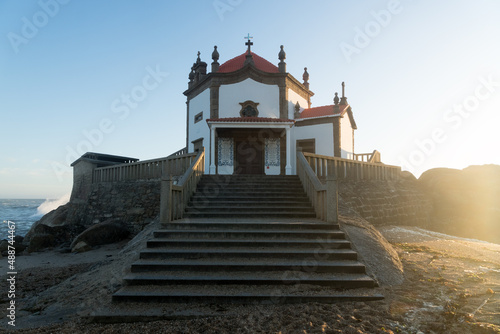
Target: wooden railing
[(323, 197), (373, 157), (144, 170), (174, 197), (182, 151), (324, 166)]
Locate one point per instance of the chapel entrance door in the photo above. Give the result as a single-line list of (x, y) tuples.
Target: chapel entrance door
[(249, 157)]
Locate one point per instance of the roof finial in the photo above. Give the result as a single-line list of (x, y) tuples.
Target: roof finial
[(282, 54), (305, 77), (336, 107), (343, 100), (215, 57), (282, 57), (296, 114), (336, 99), (215, 54), (191, 76), (198, 59)]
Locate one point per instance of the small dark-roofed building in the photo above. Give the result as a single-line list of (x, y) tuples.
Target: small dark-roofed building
[(83, 167)]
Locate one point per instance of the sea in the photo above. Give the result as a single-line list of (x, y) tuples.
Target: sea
[(24, 212)]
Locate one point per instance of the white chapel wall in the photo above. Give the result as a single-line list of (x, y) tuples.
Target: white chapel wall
[(230, 97), (292, 100), (201, 103), (347, 135), (322, 133)]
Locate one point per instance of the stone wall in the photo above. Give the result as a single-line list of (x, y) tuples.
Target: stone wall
[(382, 202), (135, 203), (130, 204)]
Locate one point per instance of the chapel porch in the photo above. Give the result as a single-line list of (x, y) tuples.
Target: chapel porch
[(250, 146)]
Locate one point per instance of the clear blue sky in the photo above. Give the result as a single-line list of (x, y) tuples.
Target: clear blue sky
[(422, 77)]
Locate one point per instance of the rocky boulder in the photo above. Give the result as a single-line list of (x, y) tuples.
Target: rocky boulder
[(56, 228), (18, 243), (465, 202), (51, 223), (107, 232), (380, 258), (50, 231)]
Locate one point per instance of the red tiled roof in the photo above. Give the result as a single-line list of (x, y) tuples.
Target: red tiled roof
[(238, 62), (322, 111), (250, 120)]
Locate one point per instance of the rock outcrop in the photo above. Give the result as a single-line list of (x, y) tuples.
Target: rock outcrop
[(107, 232), (380, 258), (466, 202), (18, 242), (54, 229), (133, 204)]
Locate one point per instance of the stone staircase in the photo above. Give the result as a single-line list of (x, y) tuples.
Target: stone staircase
[(251, 196), (231, 249)]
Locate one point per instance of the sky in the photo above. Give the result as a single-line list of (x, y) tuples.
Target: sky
[(422, 77)]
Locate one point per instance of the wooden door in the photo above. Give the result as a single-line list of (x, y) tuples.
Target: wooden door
[(249, 158)]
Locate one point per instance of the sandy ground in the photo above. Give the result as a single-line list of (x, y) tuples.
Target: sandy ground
[(452, 285), (56, 259)]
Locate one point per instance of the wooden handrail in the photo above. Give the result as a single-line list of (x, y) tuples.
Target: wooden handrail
[(318, 186), (143, 170), (341, 168), (182, 151), (373, 157), (324, 198), (174, 198)]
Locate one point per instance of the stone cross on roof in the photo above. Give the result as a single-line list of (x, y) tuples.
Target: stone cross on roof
[(249, 43)]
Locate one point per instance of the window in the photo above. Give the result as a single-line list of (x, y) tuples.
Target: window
[(308, 145), (198, 117)]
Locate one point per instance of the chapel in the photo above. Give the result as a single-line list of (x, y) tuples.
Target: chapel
[(251, 116), (245, 238)]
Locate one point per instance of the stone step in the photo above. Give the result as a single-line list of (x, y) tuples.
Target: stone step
[(255, 205), (236, 295), (268, 234), (264, 191), (242, 201), (250, 214), (286, 197), (210, 188), (261, 265), (338, 281), (249, 253), (237, 224), (268, 243), (264, 207), (249, 178)]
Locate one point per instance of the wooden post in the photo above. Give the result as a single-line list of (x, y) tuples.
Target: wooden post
[(166, 199), (332, 200)]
